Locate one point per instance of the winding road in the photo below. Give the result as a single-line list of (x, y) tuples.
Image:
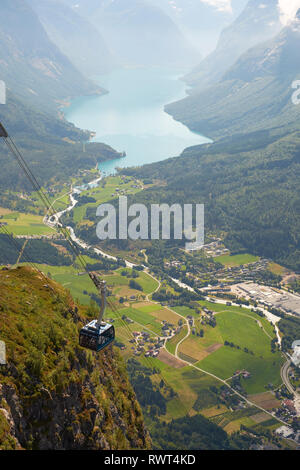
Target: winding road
[(286, 380), (54, 221)]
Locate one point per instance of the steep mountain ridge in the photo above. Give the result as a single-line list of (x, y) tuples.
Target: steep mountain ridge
[(76, 37), (201, 21), (279, 57), (54, 394), (138, 32), (254, 94), (31, 65), (257, 23), (51, 146), (39, 78), (249, 184)]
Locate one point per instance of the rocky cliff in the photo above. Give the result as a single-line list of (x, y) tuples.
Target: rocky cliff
[(54, 394)]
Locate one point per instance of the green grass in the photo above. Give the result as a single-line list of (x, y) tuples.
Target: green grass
[(220, 308), (104, 193), (226, 361), (236, 260), (68, 277), (41, 338), (146, 282), (239, 326), (142, 318), (149, 308), (116, 280), (26, 224), (189, 384), (233, 325), (185, 311), (172, 343)]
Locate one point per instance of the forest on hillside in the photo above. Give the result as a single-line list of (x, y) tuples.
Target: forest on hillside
[(249, 185)]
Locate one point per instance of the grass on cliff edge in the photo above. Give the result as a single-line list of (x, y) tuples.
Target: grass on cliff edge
[(40, 325)]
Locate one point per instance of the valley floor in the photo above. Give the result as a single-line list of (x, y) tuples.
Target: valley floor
[(215, 356)]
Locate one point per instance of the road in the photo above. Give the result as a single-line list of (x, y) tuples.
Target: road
[(128, 264), (285, 376), (224, 382), (286, 380)]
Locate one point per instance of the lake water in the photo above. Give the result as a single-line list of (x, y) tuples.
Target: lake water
[(131, 116)]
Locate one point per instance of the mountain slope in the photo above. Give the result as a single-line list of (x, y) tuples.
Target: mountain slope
[(256, 93), (53, 394), (258, 22), (51, 146), (77, 38), (201, 21), (138, 32), (30, 64), (249, 185)]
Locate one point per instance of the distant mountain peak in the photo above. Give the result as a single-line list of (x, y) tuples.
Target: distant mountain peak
[(258, 22), (294, 25)]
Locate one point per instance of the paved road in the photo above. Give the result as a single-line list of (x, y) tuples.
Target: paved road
[(285, 376), (286, 380), (83, 244)]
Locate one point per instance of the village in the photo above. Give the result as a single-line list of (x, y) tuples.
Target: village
[(221, 276)]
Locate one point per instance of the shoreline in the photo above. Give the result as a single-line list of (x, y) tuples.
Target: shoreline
[(170, 142)]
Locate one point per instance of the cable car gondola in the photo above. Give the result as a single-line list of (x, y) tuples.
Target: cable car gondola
[(97, 334), (96, 337)]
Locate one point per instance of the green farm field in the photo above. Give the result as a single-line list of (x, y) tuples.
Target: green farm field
[(18, 223), (109, 188), (236, 260), (69, 278), (172, 343), (251, 336)]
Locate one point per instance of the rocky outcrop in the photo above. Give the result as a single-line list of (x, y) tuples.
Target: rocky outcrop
[(66, 398), (74, 418)]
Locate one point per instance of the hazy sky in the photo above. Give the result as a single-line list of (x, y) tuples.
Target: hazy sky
[(222, 5), (288, 7)]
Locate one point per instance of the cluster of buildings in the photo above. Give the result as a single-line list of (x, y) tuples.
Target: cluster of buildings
[(215, 249), (223, 276), (268, 296), (144, 344), (243, 373), (245, 272), (168, 329), (287, 411), (123, 192), (290, 407), (288, 433), (173, 264)]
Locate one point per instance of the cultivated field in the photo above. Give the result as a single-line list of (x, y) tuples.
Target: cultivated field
[(25, 224), (236, 260)]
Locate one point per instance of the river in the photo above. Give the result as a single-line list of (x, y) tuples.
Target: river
[(131, 117)]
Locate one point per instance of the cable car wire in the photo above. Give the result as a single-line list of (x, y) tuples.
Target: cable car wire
[(44, 198), (50, 210), (150, 360), (19, 250)]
